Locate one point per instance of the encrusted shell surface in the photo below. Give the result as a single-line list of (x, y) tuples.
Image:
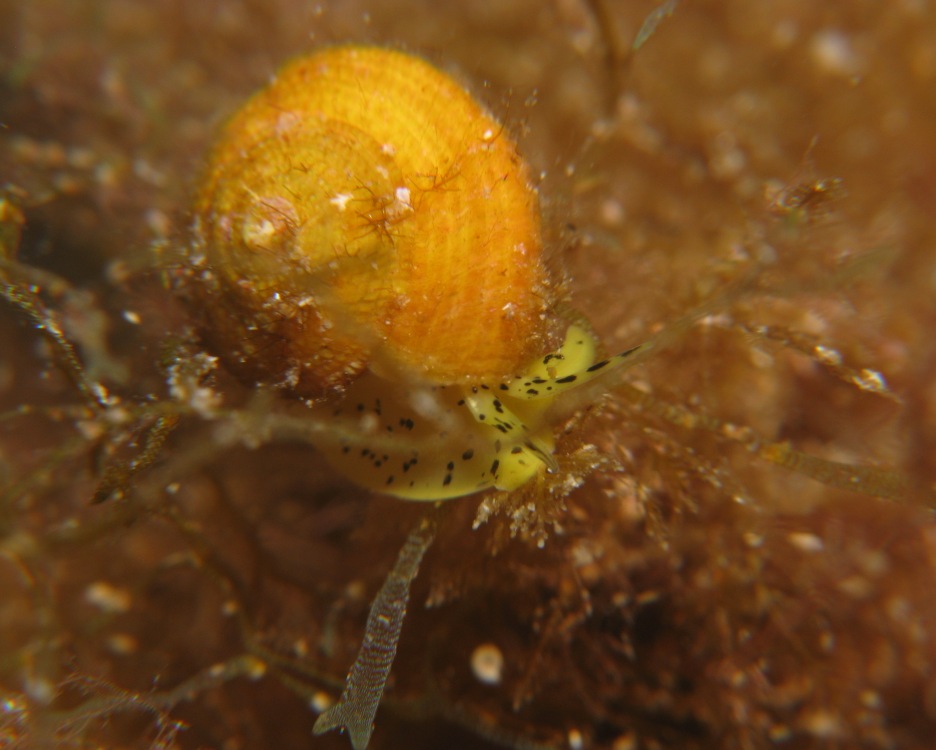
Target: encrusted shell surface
[(363, 211)]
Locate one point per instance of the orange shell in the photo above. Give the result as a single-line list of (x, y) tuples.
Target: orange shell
[(361, 211)]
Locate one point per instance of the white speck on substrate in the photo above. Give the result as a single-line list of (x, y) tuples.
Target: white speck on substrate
[(828, 356), (487, 664), (833, 52), (107, 598), (806, 541), (870, 380), (321, 701)]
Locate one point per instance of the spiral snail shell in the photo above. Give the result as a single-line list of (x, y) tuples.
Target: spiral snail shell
[(365, 231), (364, 207)]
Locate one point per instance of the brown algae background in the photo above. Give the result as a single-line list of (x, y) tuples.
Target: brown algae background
[(767, 169)]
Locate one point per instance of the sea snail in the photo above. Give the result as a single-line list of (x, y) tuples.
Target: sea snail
[(366, 235)]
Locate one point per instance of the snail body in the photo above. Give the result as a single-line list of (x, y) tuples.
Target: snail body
[(442, 442), (366, 235)]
